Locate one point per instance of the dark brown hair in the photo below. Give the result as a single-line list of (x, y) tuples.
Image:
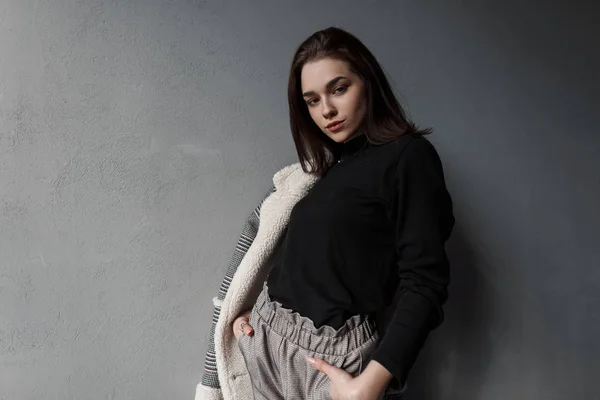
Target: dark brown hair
[(385, 119)]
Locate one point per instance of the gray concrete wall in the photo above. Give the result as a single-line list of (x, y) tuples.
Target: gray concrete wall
[(136, 136)]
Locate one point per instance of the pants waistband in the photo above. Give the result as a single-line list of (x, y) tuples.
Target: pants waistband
[(302, 331)]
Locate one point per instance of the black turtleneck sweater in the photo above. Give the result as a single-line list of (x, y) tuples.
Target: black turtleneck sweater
[(375, 223)]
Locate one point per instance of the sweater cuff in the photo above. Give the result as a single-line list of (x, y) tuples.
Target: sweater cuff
[(399, 360), (398, 372)]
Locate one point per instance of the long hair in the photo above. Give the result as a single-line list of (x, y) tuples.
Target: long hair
[(385, 119)]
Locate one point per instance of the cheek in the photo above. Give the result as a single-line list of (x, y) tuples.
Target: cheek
[(314, 114), (359, 110), (349, 105)]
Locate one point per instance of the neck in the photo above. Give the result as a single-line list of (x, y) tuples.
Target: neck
[(354, 135), (352, 146)]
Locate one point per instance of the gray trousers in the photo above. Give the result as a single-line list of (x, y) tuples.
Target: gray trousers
[(276, 354)]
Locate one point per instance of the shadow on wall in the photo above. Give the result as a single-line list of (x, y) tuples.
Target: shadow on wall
[(456, 356)]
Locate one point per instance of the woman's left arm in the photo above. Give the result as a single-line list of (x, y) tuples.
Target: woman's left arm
[(424, 220)]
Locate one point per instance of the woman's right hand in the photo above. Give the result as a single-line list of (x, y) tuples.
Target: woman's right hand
[(248, 330)]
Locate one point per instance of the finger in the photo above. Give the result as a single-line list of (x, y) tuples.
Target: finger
[(321, 365), (334, 373), (248, 330), (236, 326)]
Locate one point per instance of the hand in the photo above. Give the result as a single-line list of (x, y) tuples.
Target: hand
[(248, 330), (343, 385)]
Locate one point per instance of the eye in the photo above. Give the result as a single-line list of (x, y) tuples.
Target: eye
[(343, 89), (311, 102)]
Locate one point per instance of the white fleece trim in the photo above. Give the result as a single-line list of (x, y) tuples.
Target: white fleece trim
[(293, 180), (217, 302), (207, 393), (291, 184)]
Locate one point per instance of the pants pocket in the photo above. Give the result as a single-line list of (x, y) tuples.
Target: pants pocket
[(355, 362)]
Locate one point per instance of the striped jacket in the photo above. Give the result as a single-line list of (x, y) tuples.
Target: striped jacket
[(225, 376)]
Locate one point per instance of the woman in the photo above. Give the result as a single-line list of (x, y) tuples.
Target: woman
[(341, 271)]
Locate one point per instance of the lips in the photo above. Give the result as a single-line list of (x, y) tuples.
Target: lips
[(335, 126)]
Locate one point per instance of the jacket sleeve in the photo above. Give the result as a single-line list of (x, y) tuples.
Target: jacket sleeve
[(210, 379)]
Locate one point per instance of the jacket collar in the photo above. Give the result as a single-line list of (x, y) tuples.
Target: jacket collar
[(292, 180)]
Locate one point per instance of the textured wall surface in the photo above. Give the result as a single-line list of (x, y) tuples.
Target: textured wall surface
[(135, 137)]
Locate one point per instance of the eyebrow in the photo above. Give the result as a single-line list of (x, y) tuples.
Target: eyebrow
[(329, 85)]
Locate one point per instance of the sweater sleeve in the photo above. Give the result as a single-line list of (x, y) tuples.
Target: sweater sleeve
[(423, 222)]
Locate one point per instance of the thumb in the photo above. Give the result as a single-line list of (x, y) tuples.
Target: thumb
[(331, 371)]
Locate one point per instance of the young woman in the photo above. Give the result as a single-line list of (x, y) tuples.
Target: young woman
[(341, 272)]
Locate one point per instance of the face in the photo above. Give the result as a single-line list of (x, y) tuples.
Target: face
[(333, 94)]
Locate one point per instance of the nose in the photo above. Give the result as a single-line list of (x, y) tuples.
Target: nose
[(328, 110)]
